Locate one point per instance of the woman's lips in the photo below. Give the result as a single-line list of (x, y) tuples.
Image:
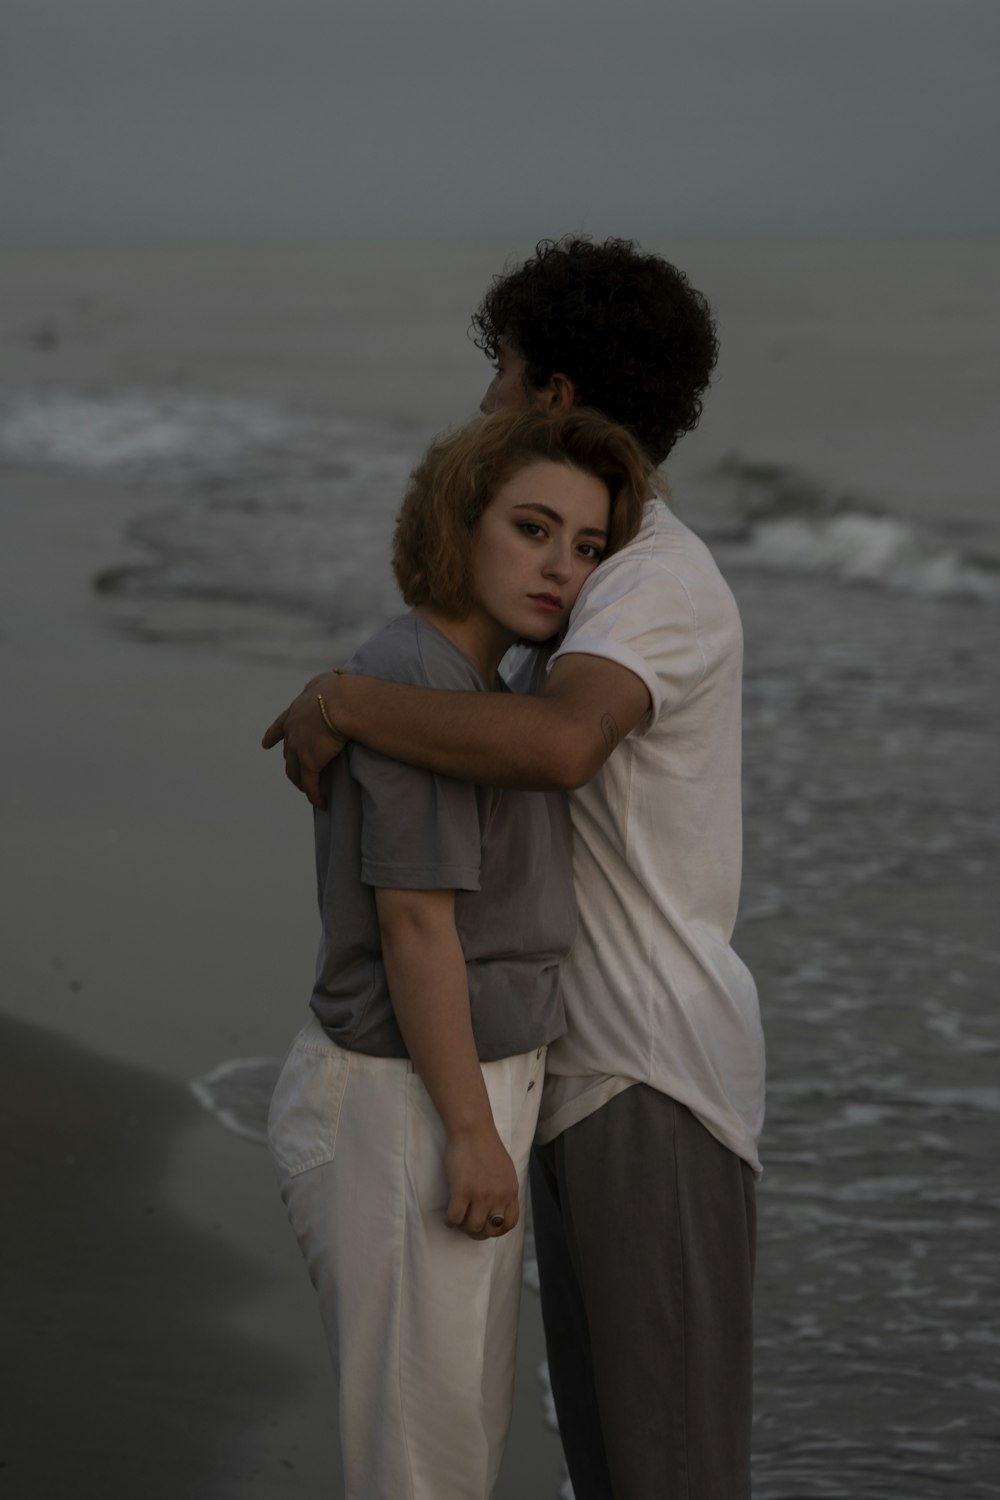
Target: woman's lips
[(551, 603)]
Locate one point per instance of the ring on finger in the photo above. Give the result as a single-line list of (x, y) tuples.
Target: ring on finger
[(497, 1221)]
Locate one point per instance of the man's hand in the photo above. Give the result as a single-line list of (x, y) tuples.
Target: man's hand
[(309, 744), (483, 1186)]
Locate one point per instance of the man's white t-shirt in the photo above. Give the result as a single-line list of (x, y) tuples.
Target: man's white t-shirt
[(654, 992)]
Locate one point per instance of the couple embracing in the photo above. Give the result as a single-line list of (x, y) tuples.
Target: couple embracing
[(528, 888)]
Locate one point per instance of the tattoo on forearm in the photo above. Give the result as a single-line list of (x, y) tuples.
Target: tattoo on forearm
[(609, 729)]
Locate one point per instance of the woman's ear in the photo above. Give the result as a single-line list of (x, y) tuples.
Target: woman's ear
[(556, 398)]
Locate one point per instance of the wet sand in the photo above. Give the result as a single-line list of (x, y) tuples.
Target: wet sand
[(136, 1362)]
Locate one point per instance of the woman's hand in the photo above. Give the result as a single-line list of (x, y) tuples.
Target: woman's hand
[(483, 1185)]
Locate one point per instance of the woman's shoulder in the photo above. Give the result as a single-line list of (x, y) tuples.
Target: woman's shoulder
[(411, 649)]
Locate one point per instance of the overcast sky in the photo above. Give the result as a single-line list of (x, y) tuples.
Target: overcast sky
[(132, 122)]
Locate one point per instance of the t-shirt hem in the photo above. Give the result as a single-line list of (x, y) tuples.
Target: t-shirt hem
[(420, 877), (591, 1095)]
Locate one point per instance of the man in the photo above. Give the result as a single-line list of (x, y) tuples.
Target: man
[(644, 1188)]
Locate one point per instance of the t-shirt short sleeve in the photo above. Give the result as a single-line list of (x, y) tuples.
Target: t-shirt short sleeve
[(638, 613), (419, 831)]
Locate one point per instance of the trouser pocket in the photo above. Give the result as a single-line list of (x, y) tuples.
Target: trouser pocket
[(304, 1116)]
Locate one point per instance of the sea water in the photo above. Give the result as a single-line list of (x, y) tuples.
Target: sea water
[(260, 527)]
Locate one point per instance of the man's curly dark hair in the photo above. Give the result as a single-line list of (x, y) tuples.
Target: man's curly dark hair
[(636, 339)]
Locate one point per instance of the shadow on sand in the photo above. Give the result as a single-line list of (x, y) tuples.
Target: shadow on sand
[(126, 1373)]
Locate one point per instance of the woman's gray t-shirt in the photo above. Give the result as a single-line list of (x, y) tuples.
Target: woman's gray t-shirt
[(507, 855)]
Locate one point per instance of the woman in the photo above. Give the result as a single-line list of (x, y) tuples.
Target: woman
[(403, 1117)]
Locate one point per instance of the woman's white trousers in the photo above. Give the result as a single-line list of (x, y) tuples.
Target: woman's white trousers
[(421, 1321)]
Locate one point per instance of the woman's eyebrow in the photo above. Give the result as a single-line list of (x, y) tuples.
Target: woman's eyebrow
[(554, 515)]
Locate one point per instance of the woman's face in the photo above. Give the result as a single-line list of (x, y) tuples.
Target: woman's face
[(538, 541)]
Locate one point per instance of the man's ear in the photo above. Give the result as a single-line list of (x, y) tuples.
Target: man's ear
[(558, 397)]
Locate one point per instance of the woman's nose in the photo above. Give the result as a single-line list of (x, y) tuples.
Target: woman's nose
[(559, 563)]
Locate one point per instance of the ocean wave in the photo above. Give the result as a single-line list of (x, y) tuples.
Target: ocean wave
[(877, 550), (253, 528), (778, 518), (266, 530), (134, 429)]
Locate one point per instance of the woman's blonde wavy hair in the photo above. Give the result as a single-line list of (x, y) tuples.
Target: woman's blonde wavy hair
[(460, 473)]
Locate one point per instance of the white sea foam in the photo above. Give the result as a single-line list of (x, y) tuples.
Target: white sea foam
[(238, 1093), (129, 428), (871, 549)]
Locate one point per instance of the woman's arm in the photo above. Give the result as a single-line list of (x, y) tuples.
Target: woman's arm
[(425, 968)]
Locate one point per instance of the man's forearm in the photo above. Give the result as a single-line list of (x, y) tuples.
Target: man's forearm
[(498, 739), (557, 741)]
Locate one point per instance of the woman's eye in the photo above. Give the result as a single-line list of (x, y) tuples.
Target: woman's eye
[(591, 552), (530, 528)]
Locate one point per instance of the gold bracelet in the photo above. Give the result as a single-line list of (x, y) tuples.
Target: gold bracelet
[(322, 706), (326, 716)]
